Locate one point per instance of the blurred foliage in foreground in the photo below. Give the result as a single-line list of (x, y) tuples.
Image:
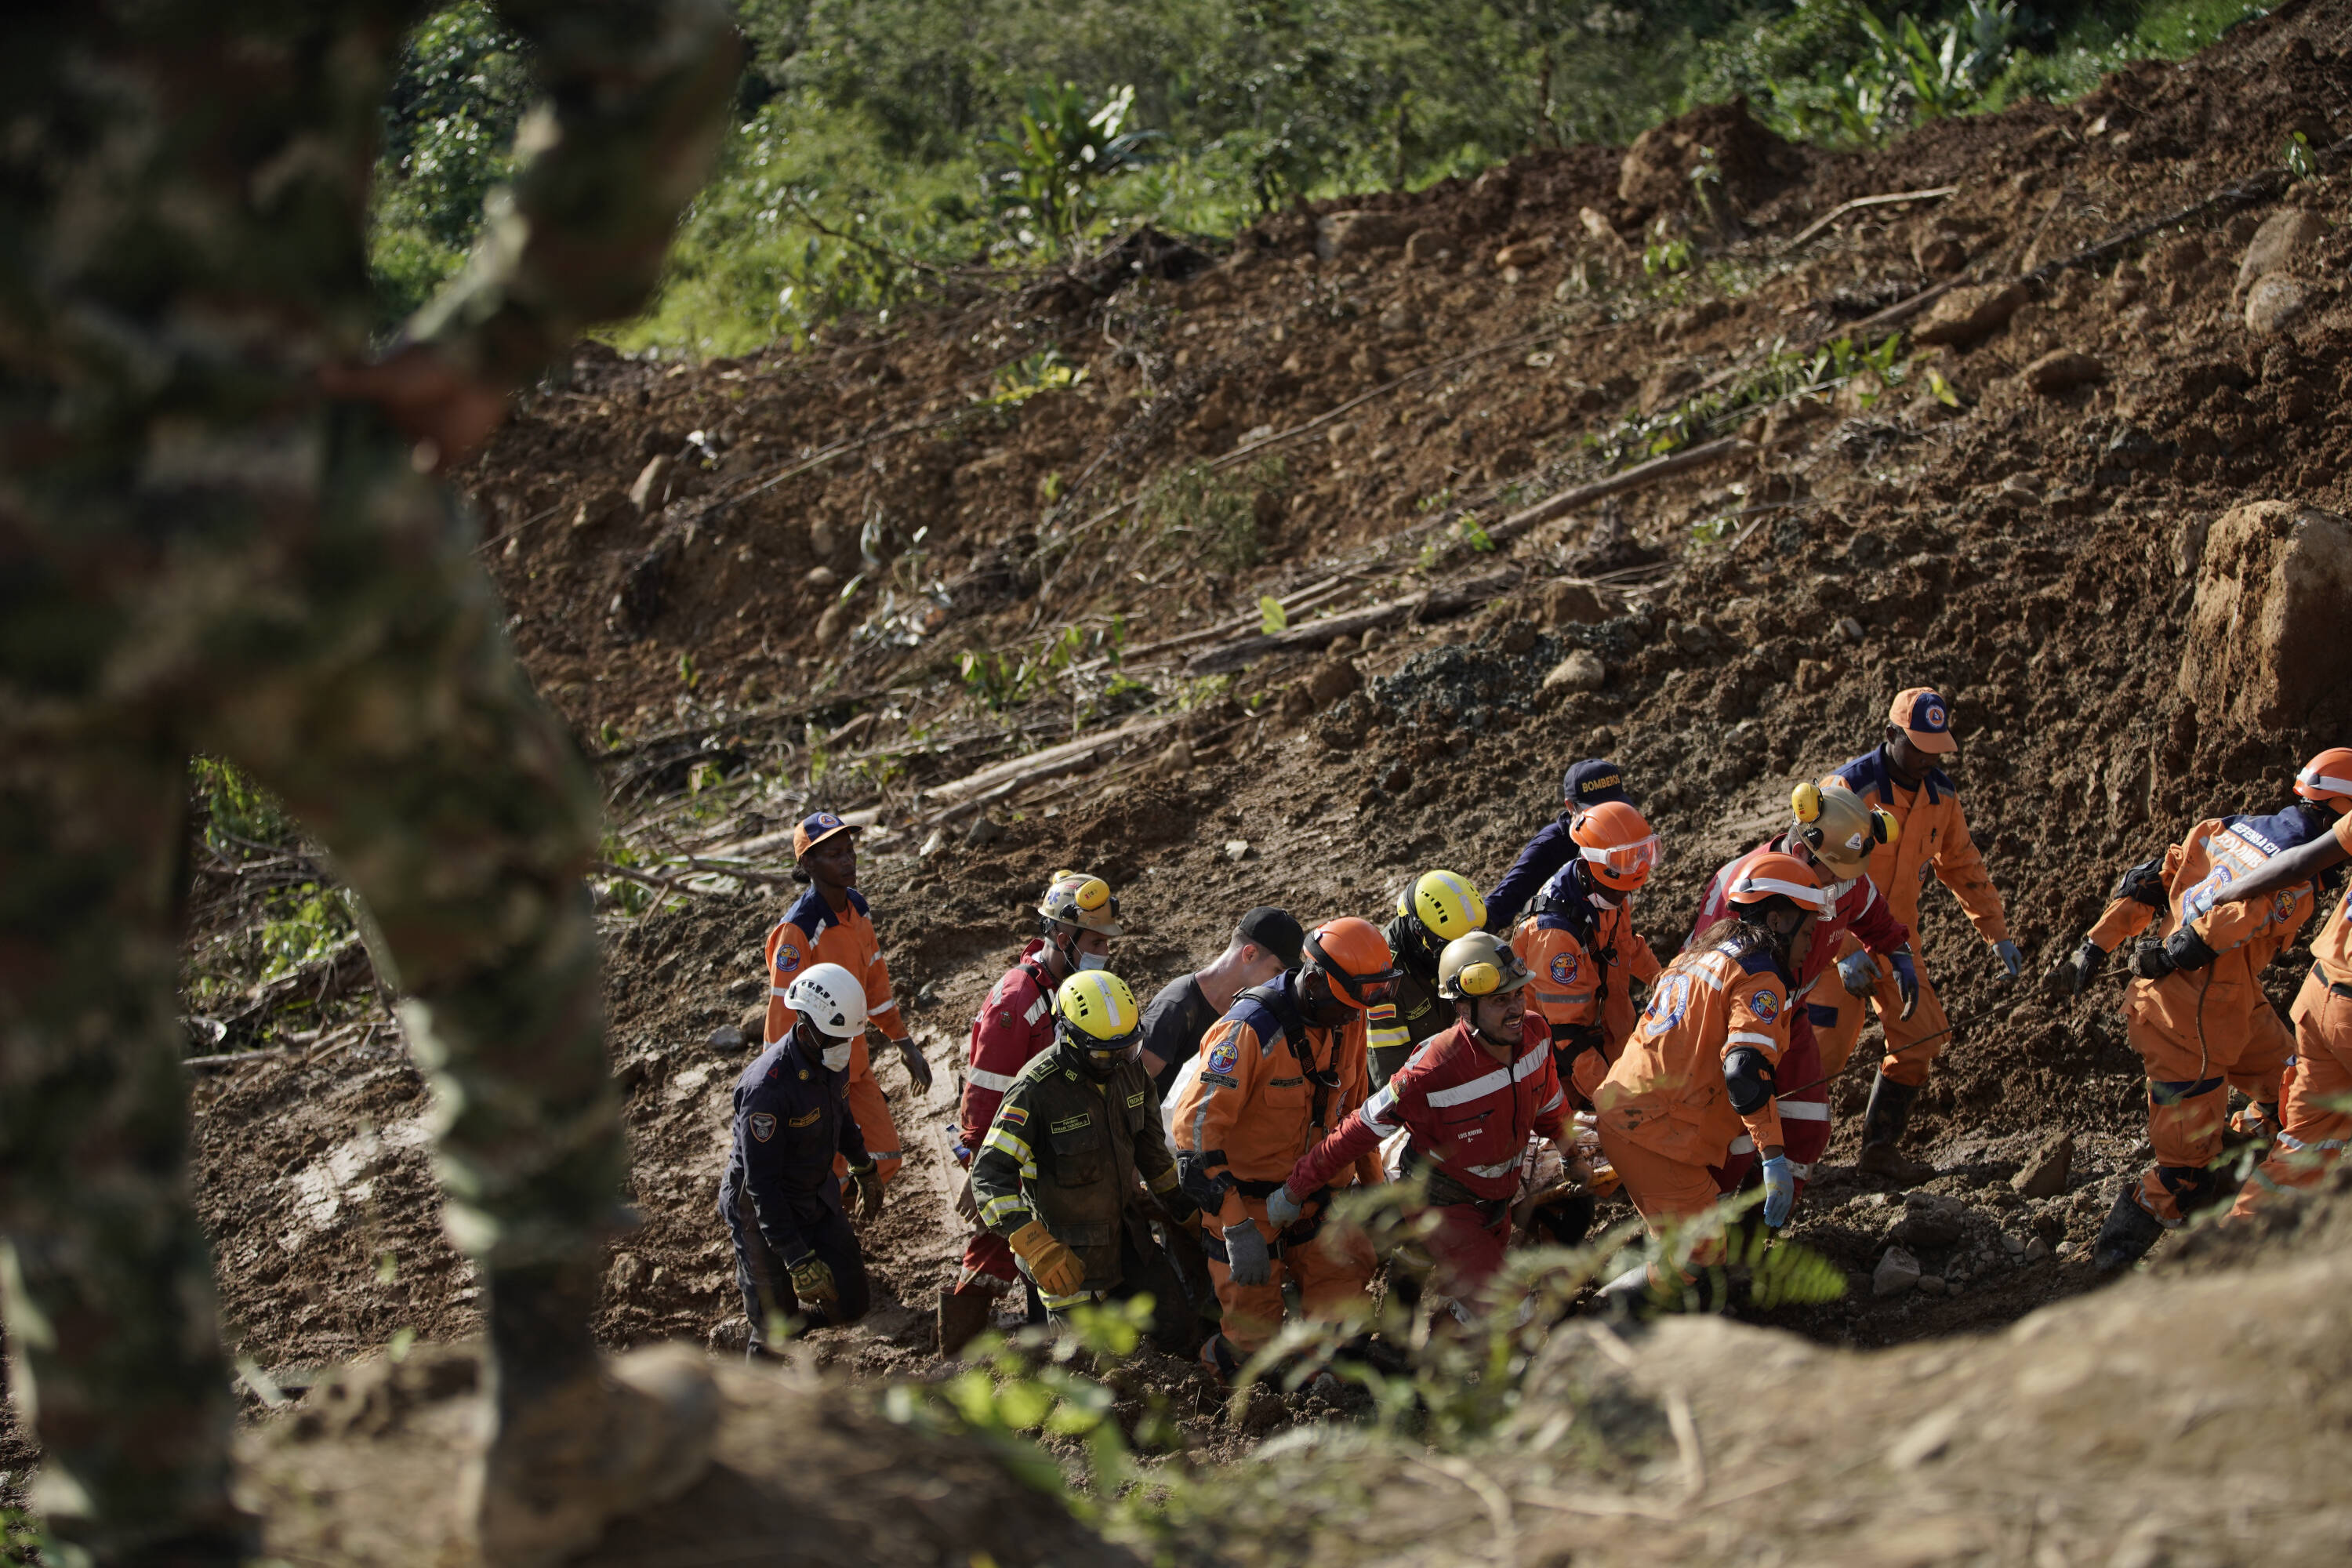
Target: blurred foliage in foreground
[(884, 148)]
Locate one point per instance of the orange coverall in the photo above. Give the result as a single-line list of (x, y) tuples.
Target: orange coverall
[(1243, 1123), (814, 932), (1579, 984), (2204, 1030), (2314, 1127), (1665, 1110), (1934, 840)]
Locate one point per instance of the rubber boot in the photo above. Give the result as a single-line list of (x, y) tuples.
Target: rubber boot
[(1220, 1360), (2124, 1239), (964, 1315), (573, 1442), (1881, 1128)]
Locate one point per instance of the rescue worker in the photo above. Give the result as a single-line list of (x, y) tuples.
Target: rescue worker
[(1580, 946), (2315, 1117), (1077, 919), (2195, 1009), (1435, 908), (1587, 784), (1703, 1066), (830, 923), (222, 531), (1265, 943), (1062, 1173), (1901, 777), (1282, 1068), (1470, 1100), (795, 1255), (1832, 834)]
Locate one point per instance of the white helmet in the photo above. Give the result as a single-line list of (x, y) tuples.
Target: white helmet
[(830, 998)]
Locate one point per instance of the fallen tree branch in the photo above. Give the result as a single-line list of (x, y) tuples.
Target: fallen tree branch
[(1859, 203), (1067, 757), (1304, 598), (1428, 601), (665, 884), (1626, 480)]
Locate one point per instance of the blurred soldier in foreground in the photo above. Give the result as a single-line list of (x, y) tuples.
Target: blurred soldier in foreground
[(218, 532)]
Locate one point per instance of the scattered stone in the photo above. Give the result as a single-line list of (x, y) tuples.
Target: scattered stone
[(1173, 762), (626, 1273), (823, 579), (1850, 629), (1930, 1285), (2063, 369), (2274, 304), (754, 1022), (2012, 1245), (2036, 1250), (1427, 246), (984, 830), (1929, 1221), (928, 997), (726, 1039), (831, 625), (1372, 639), (2044, 1175), (605, 506), (2265, 645), (652, 483), (1666, 384), (936, 841), (1572, 605), (1524, 254), (2276, 244), (1897, 1274), (1580, 671), (1340, 647), (1965, 315), (1240, 849), (1354, 233), (1331, 680)]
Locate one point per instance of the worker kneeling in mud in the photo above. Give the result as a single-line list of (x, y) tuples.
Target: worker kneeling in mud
[(795, 1255), (1580, 947), (1281, 1069), (1076, 1142), (1700, 1070), (1435, 910), (1470, 1099), (2195, 1009)]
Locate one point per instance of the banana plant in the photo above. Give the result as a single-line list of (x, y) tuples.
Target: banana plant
[(1058, 153)]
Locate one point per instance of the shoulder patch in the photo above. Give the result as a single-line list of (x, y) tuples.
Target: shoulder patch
[(1018, 1115), (763, 1126), (1563, 967), (1072, 1123), (788, 957), (808, 1121), (1225, 1054), (1765, 1003)]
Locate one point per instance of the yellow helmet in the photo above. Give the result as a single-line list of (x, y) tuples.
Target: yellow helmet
[(1081, 899), (1446, 904), (1839, 829), (1479, 964), (1096, 1014)]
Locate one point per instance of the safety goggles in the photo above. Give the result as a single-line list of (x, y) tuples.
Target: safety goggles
[(1638, 858), (1484, 979), (1363, 989)]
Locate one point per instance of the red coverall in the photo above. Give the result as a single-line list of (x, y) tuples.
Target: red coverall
[(1935, 841), (1240, 1126), (1470, 1117), (1665, 1108), (1806, 1110), (2314, 1124), (1015, 1025), (2200, 1031), (814, 932)]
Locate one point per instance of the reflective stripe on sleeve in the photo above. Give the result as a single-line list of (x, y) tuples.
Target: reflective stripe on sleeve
[(1749, 1037), (885, 1154), (1804, 1111), (775, 990), (889, 1006), (1502, 1168), (1014, 1149), (997, 1210), (1476, 1088), (1383, 1040), (1527, 1066), (978, 1078), (1743, 1145)]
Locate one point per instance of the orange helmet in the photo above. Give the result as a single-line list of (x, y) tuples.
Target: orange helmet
[(1353, 955), (1778, 876), (1619, 849), (2326, 779)]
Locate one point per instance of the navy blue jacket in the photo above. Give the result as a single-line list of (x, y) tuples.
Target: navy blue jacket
[(791, 1118), (1546, 853)]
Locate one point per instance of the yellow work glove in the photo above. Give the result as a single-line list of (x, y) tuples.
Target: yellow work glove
[(1053, 1266)]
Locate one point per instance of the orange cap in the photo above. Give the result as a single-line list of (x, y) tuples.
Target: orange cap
[(1922, 715), (815, 829)]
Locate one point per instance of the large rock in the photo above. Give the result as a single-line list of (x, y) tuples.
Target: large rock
[(1964, 315), (2276, 245), (2045, 1174), (1897, 1274), (1747, 159), (2267, 642), (2275, 303), (2063, 369), (1580, 671), (1354, 233)]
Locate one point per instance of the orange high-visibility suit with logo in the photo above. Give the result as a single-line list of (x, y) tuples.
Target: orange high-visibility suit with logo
[(1585, 957), (1264, 1096), (1666, 1108), (2314, 1125), (814, 932), (2203, 1030), (1934, 840)]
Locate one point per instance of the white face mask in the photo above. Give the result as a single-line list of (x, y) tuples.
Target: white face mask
[(1093, 961), (835, 1058)]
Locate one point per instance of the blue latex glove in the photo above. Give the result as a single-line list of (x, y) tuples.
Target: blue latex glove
[(1858, 972), (1906, 983), (1282, 1209), (2011, 959), (1780, 1190)]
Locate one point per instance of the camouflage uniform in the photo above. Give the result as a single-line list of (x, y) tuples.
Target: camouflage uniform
[(199, 552)]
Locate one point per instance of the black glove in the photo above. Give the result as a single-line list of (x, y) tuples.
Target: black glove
[(2079, 971), (2150, 962), (869, 1189), (917, 1067)]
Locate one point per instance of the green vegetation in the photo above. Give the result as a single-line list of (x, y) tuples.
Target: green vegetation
[(890, 151)]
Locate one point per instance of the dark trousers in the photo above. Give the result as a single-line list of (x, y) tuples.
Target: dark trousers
[(766, 1283), (1145, 1270)]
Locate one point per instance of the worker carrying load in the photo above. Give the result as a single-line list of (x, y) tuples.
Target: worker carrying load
[(1077, 919), (1434, 910), (1279, 1071), (1832, 835), (2315, 1120), (2195, 1009), (795, 1255), (1703, 1066), (1470, 1100), (1075, 1142), (1902, 778), (1580, 946), (1587, 785), (830, 923)]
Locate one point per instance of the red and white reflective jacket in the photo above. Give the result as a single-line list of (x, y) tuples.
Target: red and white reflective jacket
[(1014, 1026), (1469, 1114), (1860, 909)]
